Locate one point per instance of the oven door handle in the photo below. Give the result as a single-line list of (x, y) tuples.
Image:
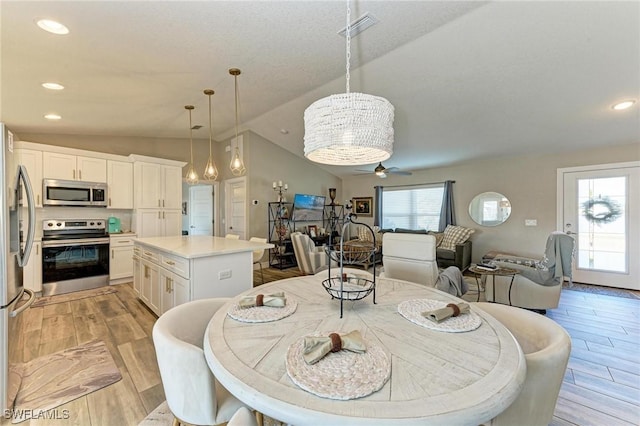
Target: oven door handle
[(78, 242)]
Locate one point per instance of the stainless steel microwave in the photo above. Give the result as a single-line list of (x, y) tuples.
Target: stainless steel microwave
[(57, 192)]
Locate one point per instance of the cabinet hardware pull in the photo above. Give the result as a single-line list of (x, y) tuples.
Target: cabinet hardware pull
[(38, 199), (170, 282), (146, 271), (123, 242), (37, 245), (158, 215), (158, 202), (169, 262), (112, 250), (148, 253), (162, 203), (109, 201), (74, 174), (163, 215), (79, 174)]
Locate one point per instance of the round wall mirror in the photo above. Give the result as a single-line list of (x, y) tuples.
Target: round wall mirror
[(489, 209)]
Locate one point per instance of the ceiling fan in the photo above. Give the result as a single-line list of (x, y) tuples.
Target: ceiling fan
[(382, 172)]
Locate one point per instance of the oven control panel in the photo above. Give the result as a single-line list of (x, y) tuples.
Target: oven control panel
[(72, 224)]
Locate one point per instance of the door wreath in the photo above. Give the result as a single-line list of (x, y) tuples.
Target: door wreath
[(601, 211)]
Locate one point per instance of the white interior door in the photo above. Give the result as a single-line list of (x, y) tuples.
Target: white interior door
[(600, 209), (201, 214), (235, 191)]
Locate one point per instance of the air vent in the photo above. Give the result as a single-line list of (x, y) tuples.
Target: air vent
[(196, 127), (359, 25)]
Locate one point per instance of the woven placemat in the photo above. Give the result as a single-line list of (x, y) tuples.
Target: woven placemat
[(413, 309), (262, 313), (339, 375)]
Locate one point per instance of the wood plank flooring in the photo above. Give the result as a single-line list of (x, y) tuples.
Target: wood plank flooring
[(601, 385)]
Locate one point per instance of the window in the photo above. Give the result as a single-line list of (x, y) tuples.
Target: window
[(416, 207)]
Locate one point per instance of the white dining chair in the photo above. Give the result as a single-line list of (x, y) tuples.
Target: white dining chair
[(243, 417), (258, 254), (232, 237), (546, 346), (410, 257), (192, 392)]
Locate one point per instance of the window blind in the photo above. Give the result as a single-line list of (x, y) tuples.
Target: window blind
[(414, 207)]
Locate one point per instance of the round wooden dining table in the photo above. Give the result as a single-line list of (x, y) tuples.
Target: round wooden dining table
[(437, 378)]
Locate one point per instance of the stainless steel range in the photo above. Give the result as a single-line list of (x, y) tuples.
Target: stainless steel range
[(75, 255)]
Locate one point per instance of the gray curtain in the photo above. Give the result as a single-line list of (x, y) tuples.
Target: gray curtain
[(447, 214), (377, 216)]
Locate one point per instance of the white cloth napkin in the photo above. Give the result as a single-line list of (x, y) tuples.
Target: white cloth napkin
[(316, 347), (451, 310), (275, 300)]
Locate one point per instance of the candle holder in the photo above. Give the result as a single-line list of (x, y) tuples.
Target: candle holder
[(280, 188)]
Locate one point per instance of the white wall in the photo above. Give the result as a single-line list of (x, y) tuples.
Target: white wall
[(528, 182)]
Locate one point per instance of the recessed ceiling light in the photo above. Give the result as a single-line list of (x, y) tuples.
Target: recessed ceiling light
[(53, 117), (284, 131), (53, 27), (624, 104), (53, 86)]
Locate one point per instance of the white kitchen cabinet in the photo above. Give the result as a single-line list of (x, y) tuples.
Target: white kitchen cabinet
[(58, 165), (120, 181), (158, 186), (157, 222), (32, 160), (32, 273), (121, 261), (150, 286), (137, 270), (175, 290)]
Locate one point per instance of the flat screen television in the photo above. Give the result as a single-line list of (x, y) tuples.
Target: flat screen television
[(308, 207)]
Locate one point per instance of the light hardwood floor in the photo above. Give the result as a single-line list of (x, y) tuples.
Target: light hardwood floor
[(601, 386)]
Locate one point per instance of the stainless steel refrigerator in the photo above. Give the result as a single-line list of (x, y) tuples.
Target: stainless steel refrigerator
[(17, 228)]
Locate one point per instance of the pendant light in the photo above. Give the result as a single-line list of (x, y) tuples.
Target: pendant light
[(210, 170), (349, 128), (192, 175), (237, 165)]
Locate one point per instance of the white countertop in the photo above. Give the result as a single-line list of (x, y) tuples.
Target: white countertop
[(201, 245)]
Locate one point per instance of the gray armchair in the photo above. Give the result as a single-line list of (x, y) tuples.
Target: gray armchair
[(539, 281)]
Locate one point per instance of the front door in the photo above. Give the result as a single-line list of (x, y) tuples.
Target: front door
[(600, 207)]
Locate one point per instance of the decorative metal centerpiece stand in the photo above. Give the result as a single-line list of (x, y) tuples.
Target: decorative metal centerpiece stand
[(343, 286)]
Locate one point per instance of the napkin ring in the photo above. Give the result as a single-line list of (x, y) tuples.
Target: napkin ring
[(260, 300), (456, 309), (336, 342)]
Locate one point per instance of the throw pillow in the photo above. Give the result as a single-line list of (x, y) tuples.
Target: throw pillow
[(454, 235), (439, 237)]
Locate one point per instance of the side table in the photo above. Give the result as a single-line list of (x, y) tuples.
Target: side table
[(478, 272)]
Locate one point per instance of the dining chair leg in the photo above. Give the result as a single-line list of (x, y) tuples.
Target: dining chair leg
[(176, 422), (261, 273), (260, 418)]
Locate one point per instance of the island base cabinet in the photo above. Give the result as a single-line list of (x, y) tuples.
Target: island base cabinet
[(137, 269), (149, 289), (175, 290), (166, 280)]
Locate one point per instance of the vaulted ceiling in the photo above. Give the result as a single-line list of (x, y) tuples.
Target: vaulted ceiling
[(468, 80)]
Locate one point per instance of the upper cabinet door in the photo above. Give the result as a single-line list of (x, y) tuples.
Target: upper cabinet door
[(32, 160), (148, 185), (120, 180), (172, 187), (91, 169), (59, 166), (71, 167)]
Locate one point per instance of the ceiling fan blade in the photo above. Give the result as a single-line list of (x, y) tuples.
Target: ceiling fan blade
[(367, 171), (391, 169), (399, 172)]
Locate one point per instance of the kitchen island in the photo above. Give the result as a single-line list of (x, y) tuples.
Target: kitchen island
[(169, 271)]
